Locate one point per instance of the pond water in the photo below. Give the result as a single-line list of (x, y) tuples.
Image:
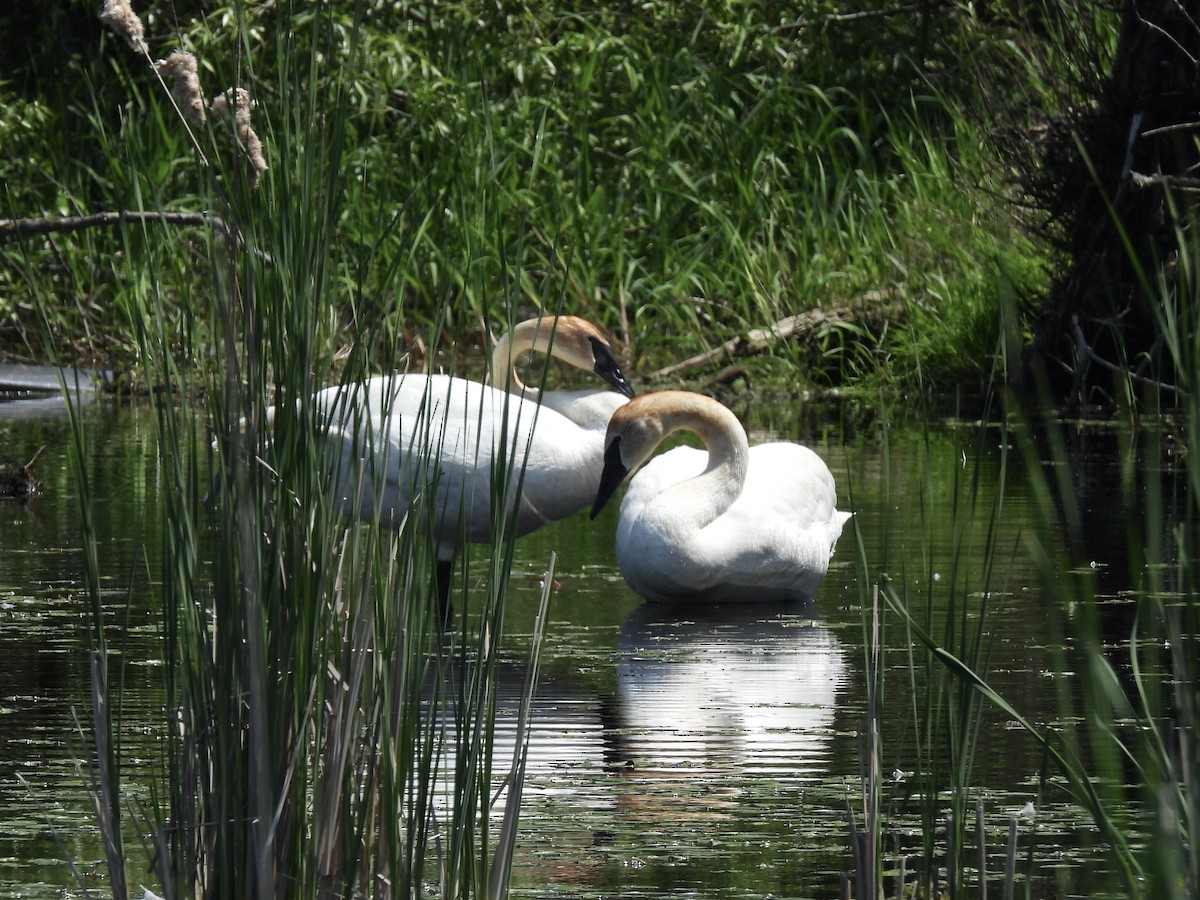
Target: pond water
[(674, 752)]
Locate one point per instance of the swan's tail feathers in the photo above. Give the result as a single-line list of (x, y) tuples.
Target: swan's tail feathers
[(840, 519)]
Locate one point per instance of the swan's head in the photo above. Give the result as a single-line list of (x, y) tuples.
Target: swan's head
[(571, 339), (638, 427), (634, 431), (605, 365), (581, 344)]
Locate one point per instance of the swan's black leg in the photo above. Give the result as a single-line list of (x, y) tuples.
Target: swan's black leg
[(445, 573)]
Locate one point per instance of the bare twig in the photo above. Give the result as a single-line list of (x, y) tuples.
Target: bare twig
[(1091, 356), (13, 228), (1170, 38), (19, 481), (10, 228), (842, 18), (1167, 129), (729, 347), (1177, 182)]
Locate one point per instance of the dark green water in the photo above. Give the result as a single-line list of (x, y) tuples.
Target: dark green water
[(674, 753)]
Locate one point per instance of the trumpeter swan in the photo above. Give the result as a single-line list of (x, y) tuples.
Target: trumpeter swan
[(733, 524), (435, 442)]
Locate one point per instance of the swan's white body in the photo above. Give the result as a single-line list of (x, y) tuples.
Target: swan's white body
[(438, 443), (731, 524)]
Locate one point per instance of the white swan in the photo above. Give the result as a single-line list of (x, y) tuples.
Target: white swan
[(437, 442), (733, 524)]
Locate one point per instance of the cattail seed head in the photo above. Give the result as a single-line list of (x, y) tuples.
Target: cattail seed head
[(120, 17), (236, 104), (180, 66)]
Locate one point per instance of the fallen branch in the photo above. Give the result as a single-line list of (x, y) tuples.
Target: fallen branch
[(808, 323), (1088, 355), (12, 228), (840, 18), (1177, 182)]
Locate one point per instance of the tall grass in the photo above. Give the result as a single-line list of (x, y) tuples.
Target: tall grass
[(1133, 763), (712, 168), (1129, 681), (933, 717), (327, 732)]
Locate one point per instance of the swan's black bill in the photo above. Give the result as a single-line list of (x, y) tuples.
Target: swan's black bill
[(606, 367), (610, 479)]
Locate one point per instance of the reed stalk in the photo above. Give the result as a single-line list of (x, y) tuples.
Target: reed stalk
[(943, 715), (327, 733)]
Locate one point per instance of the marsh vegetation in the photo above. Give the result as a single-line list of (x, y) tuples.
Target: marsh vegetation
[(811, 195)]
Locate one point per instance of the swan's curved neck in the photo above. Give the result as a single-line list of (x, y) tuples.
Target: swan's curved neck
[(525, 337), (712, 491)]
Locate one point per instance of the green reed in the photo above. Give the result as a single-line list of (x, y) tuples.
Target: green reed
[(326, 733), (1128, 680), (911, 620), (1132, 764)]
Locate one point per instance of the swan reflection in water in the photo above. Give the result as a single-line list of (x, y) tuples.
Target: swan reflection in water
[(712, 707), (712, 696), (709, 700)]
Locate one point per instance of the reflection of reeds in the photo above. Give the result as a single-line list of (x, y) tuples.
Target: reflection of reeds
[(1132, 764), (943, 636)]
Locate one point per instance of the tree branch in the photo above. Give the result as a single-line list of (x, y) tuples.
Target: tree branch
[(1178, 182), (10, 228), (1086, 353), (18, 480), (757, 340), (13, 228), (842, 18)]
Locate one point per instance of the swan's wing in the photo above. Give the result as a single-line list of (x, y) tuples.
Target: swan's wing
[(562, 466), (394, 440), (785, 520), (369, 432), (773, 542), (399, 439), (790, 483)]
